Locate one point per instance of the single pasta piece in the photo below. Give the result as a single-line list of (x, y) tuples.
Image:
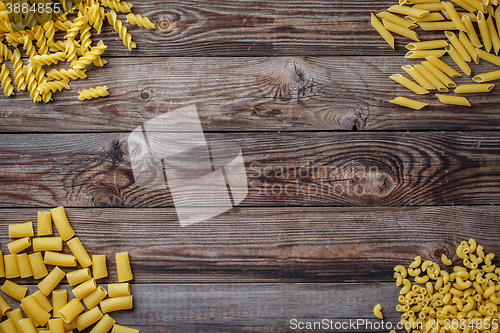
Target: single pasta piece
[(401, 30), (15, 315), (424, 53), (123, 265), (59, 259), (48, 59), (485, 77), (88, 318), (407, 84), (8, 88), (458, 59), (440, 75), (78, 276), (99, 267), (432, 44), (396, 20), (474, 88), (409, 103), (431, 78), (419, 78), (118, 289), (116, 304), (72, 309), (455, 42), (89, 56), (19, 245), (104, 325), (2, 266), (51, 281), (121, 29), (484, 32), (377, 311), (21, 230), (11, 266), (37, 265), (495, 41), (454, 17), (44, 224), (47, 244), (140, 21), (4, 306), (123, 329), (434, 26), (453, 100), (14, 290), (386, 35), (95, 297), (24, 265), (56, 325), (471, 50), (93, 93), (8, 326), (443, 66), (43, 301), (495, 60), (62, 224), (407, 11), (432, 7), (64, 74), (53, 86), (27, 326), (431, 17), (471, 32), (84, 289), (59, 300), (18, 70), (34, 310), (123, 6), (79, 252)]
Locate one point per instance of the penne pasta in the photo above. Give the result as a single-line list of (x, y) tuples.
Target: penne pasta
[(464, 5), (15, 315), (458, 59), (454, 17), (474, 88), (88, 318), (99, 267), (19, 245), (37, 265), (51, 281), (491, 58), (409, 103), (458, 45), (44, 224), (84, 289), (43, 301), (14, 290), (453, 100), (386, 35), (396, 20), (116, 304), (95, 297), (495, 41), (47, 244), (415, 75), (24, 265), (72, 309), (401, 30), (478, 5), (59, 259), (122, 260), (2, 265), (433, 26), (123, 329), (21, 230), (415, 2), (472, 17), (104, 325), (118, 289), (424, 53), (11, 266), (431, 7), (497, 18), (62, 224), (431, 78), (8, 326), (431, 17), (59, 300), (4, 306), (79, 252), (27, 326), (486, 77), (471, 50), (35, 311), (432, 44), (407, 11), (443, 67), (56, 325), (402, 81), (439, 75), (471, 32), (79, 276), (484, 32)]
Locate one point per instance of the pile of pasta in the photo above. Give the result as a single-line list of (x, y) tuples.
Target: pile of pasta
[(460, 41), (44, 49), (66, 316), (465, 300)]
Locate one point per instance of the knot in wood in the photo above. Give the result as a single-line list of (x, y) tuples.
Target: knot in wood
[(146, 95), (163, 24)]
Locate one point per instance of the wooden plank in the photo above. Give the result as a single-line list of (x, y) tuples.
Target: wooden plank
[(249, 94), (287, 169), (255, 307), (293, 244)]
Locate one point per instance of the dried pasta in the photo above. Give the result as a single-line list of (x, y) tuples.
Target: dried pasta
[(93, 93)]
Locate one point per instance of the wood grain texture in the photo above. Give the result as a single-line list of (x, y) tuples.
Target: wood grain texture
[(181, 308), (287, 169), (249, 94), (291, 244)]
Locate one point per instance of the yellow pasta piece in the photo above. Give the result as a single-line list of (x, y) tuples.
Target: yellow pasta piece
[(116, 304), (431, 17), (443, 66), (61, 223), (84, 289), (93, 93), (14, 290), (47, 244), (474, 88), (431, 7), (454, 17), (59, 300), (11, 266), (123, 266), (140, 21), (377, 311), (407, 11), (495, 41), (382, 31), (453, 100), (401, 30), (424, 53), (88, 318), (29, 314), (15, 315), (8, 88), (104, 325), (408, 84), (458, 59), (19, 245), (78, 276), (484, 32), (34, 310), (396, 20), (123, 6), (485, 77), (118, 289), (4, 306), (121, 29), (123, 329), (72, 309), (44, 224), (432, 44), (415, 75), (37, 265), (488, 57), (79, 252), (439, 75), (8, 326), (434, 26), (445, 260), (431, 78), (27, 326), (56, 325), (2, 265), (99, 267), (471, 32), (21, 230), (455, 42), (51, 281), (471, 50), (59, 259), (409, 103), (24, 265), (43, 301), (95, 297)]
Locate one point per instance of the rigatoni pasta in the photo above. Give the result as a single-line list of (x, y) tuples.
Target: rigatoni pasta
[(24, 265), (61, 222), (59, 300), (123, 329), (43, 301), (84, 289), (99, 267), (94, 298), (19, 245), (79, 252), (51, 281), (59, 259), (21, 230), (123, 266), (44, 224), (11, 266), (88, 318), (72, 309), (47, 244), (37, 265), (118, 289), (116, 304), (14, 290), (34, 310), (104, 325), (78, 276)]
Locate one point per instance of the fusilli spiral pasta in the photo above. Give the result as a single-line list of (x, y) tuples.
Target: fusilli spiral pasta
[(122, 30), (93, 93), (53, 86), (64, 74), (18, 70), (8, 88), (90, 56), (140, 21), (48, 59), (123, 6)]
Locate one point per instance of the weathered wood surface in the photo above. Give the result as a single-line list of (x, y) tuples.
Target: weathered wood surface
[(181, 308), (289, 244), (249, 94), (287, 169)]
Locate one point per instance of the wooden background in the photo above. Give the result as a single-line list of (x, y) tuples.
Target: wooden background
[(309, 254)]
